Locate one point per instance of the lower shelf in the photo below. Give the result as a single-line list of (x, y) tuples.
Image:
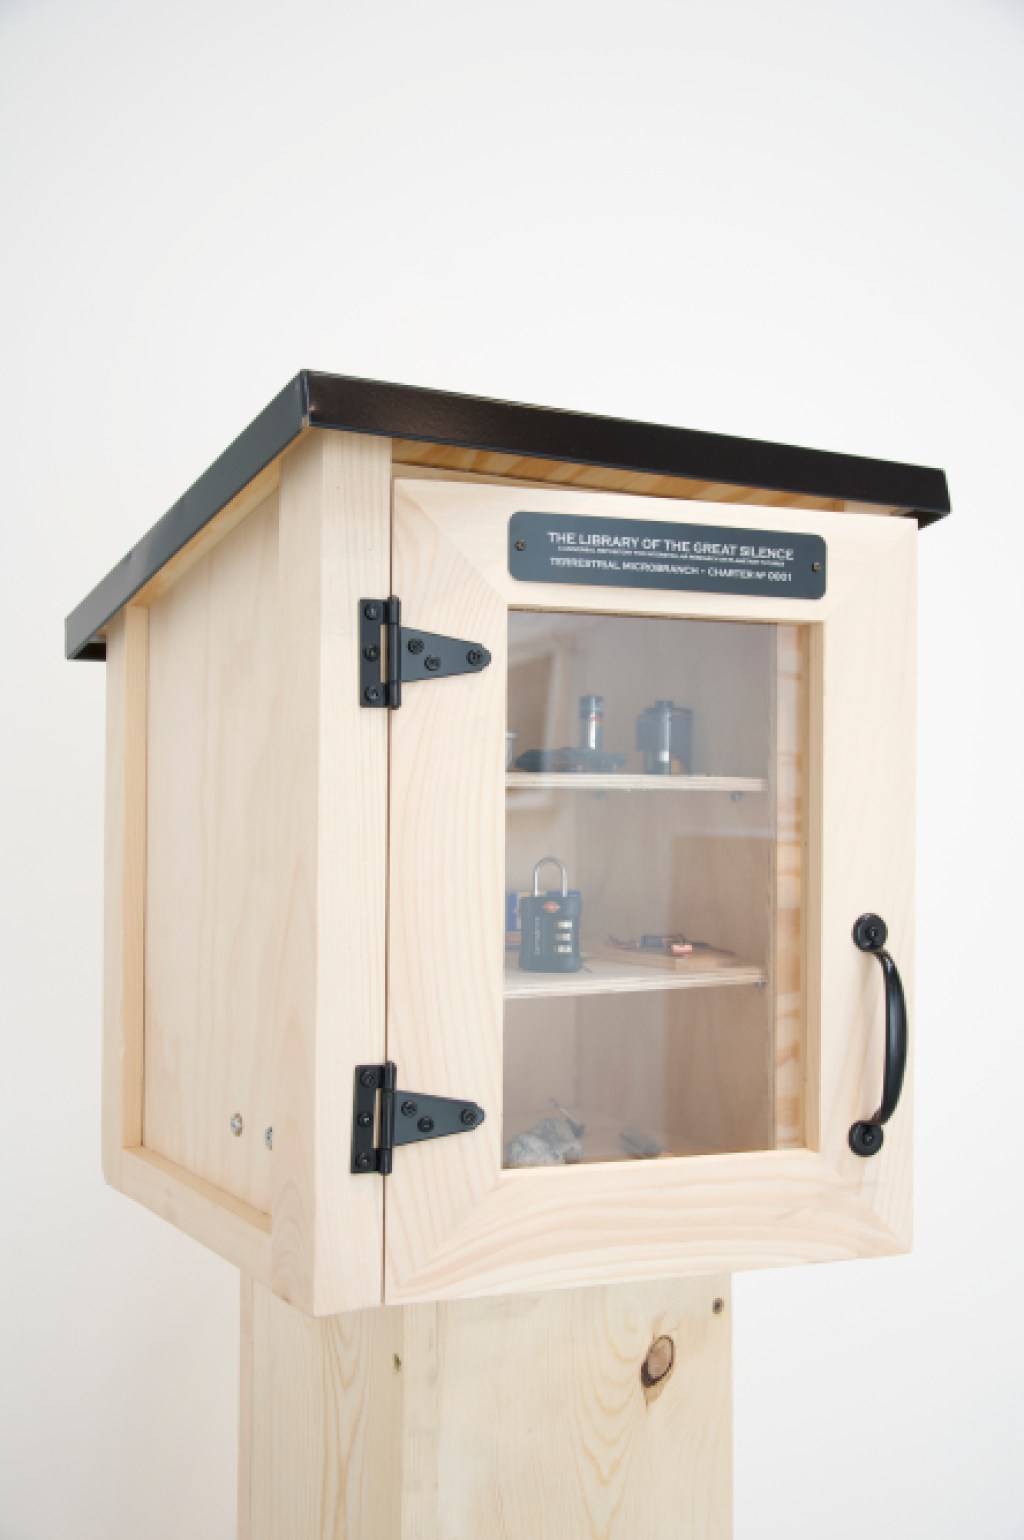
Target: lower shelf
[(609, 978)]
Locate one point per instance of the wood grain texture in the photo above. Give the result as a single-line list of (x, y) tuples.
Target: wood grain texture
[(212, 878), (326, 1454), (331, 828), (447, 461), (524, 1418), (789, 758), (236, 1232), (124, 857), (457, 1225)]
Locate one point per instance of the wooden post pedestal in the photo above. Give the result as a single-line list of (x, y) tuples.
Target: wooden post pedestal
[(601, 1412)]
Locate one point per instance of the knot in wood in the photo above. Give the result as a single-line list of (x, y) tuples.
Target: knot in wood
[(657, 1366)]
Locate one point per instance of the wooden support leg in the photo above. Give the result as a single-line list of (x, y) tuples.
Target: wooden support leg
[(602, 1412)]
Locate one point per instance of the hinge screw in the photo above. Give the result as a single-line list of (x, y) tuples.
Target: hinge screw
[(409, 1109), (371, 654), (237, 1125), (364, 1120), (362, 1161), (433, 664), (474, 656), (425, 1125), (520, 545), (268, 1138), (371, 612), (372, 694), (367, 1078), (468, 1116), (415, 644)]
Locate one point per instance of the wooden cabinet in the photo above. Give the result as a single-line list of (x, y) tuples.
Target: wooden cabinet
[(302, 884)]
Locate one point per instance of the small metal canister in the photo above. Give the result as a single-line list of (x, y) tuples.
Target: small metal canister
[(551, 926), (664, 735)]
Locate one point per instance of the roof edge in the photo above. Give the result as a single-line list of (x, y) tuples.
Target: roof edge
[(377, 407)]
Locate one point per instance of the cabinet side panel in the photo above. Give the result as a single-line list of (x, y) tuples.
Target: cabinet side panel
[(124, 887), (329, 950), (211, 877)]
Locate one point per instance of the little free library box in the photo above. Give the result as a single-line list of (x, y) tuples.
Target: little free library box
[(509, 934)]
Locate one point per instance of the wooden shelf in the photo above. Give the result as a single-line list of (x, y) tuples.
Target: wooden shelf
[(610, 978), (523, 780)]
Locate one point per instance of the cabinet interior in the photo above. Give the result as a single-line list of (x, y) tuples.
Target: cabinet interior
[(655, 1056)]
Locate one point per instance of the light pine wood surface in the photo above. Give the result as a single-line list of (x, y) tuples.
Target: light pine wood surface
[(587, 1414), (449, 462), (457, 1224), (329, 943)]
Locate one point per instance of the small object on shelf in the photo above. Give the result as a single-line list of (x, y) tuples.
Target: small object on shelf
[(551, 1142), (664, 735), (511, 744), (578, 1128), (640, 1145), (679, 956), (568, 760), (592, 723), (550, 926)]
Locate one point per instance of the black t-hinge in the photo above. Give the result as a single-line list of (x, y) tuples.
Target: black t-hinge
[(391, 654), (383, 1117)]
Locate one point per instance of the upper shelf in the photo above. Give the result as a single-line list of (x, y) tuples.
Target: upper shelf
[(609, 978), (525, 780)]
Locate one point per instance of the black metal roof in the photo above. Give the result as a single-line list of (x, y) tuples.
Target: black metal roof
[(474, 422)]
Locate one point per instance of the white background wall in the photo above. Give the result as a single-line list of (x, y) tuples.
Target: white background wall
[(799, 221)]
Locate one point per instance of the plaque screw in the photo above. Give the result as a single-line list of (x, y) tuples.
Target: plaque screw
[(415, 644), (520, 545), (815, 566), (433, 664), (474, 656), (425, 1125)]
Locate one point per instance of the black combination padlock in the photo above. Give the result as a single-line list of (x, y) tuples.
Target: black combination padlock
[(550, 926)]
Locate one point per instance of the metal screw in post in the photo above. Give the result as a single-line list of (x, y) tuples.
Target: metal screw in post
[(268, 1138), (717, 1306), (237, 1125), (425, 1125)]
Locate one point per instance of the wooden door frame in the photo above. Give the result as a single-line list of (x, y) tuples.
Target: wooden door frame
[(459, 1225)]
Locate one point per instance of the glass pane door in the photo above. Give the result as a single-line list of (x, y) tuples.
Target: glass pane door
[(653, 868)]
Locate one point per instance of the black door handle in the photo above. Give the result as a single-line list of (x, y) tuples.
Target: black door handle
[(870, 934)]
